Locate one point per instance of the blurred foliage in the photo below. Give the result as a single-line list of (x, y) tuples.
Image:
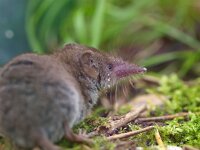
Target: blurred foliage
[(162, 30)]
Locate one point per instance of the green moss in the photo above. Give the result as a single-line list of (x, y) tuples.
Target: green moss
[(181, 97), (103, 143), (176, 132), (124, 109), (99, 111), (67, 145), (91, 123), (99, 143), (180, 133), (143, 139)]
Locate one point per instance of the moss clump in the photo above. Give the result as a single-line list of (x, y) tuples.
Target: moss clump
[(91, 123), (176, 132), (99, 142), (124, 109), (180, 133), (67, 145), (103, 143), (143, 139), (181, 97)]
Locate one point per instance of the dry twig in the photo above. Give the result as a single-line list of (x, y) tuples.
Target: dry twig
[(126, 118), (159, 140), (128, 134), (161, 118)]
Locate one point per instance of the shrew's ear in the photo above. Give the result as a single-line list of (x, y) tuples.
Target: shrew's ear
[(89, 64), (87, 58)]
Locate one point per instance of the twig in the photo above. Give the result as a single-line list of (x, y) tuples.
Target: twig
[(161, 118), (159, 140), (128, 134), (126, 119)]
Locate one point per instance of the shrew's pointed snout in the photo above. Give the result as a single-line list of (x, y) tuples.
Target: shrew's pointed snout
[(124, 69)]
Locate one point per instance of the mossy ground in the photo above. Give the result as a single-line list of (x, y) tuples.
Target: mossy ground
[(181, 97)]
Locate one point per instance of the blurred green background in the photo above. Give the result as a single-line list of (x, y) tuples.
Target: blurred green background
[(162, 35)]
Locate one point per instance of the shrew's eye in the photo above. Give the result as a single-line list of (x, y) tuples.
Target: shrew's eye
[(91, 61), (110, 66)]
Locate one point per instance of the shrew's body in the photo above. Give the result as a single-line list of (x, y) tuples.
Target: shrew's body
[(43, 96)]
